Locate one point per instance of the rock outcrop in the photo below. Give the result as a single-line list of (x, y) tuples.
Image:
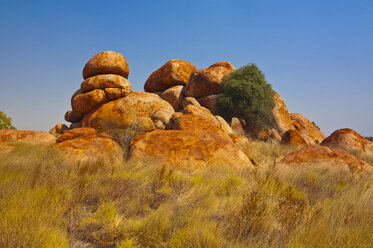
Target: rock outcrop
[(134, 110), (174, 96), (105, 77), (292, 137), (26, 137), (58, 129), (206, 82), (107, 62), (311, 134), (195, 142), (87, 145), (174, 72), (332, 160), (348, 140)]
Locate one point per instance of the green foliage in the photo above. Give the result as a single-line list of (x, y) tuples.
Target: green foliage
[(5, 121), (246, 94), (314, 123)]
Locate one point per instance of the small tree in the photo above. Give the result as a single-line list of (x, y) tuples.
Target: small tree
[(5, 121), (246, 94)]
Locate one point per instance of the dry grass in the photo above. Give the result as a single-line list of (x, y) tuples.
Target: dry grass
[(44, 203)]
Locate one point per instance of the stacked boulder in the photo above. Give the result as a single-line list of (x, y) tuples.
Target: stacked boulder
[(105, 79)]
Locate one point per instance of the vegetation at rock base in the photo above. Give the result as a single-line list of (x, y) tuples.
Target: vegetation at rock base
[(45, 203), (246, 94), (5, 121)]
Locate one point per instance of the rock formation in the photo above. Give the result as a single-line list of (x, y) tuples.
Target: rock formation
[(26, 137), (348, 140), (87, 145), (292, 137), (174, 72), (311, 134), (332, 160)]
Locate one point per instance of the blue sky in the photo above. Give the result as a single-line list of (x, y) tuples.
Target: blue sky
[(318, 55)]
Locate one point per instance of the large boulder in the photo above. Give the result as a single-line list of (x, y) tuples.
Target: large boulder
[(348, 140), (174, 96), (282, 122), (196, 142), (209, 102), (58, 129), (72, 116), (292, 137), (223, 124), (174, 72), (85, 102), (311, 134), (26, 137), (190, 101), (327, 159), (87, 145), (207, 82), (135, 109), (107, 62), (106, 81), (201, 111)]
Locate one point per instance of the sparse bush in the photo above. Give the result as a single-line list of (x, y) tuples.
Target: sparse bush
[(314, 123), (5, 121), (246, 94)]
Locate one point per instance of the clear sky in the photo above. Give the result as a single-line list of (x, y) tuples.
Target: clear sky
[(318, 55)]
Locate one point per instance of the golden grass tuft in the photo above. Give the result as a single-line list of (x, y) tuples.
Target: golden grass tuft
[(44, 203)]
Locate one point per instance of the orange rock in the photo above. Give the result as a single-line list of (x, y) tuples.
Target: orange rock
[(238, 139), (107, 62), (27, 137), (327, 158), (207, 82), (76, 124), (225, 64), (236, 126), (85, 102), (106, 81), (209, 102), (87, 145), (58, 129), (311, 134), (196, 143), (292, 137), (348, 140), (72, 116), (136, 109), (281, 123), (115, 93), (174, 72), (203, 112), (223, 124), (174, 96), (190, 101)]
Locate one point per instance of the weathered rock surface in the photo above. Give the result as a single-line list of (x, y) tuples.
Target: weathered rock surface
[(283, 120), (223, 124), (115, 93), (311, 134), (292, 137), (135, 109), (348, 140), (203, 112), (107, 62), (87, 145), (196, 143), (85, 102), (324, 157), (190, 101), (72, 116), (58, 129), (207, 82), (237, 127), (174, 96), (27, 137), (106, 81), (238, 139), (174, 72), (209, 102)]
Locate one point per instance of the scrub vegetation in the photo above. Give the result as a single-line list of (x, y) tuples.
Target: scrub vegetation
[(44, 203)]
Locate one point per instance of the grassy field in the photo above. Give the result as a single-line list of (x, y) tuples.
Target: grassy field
[(44, 203)]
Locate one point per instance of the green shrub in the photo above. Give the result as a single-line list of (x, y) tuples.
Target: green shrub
[(5, 121), (246, 94)]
